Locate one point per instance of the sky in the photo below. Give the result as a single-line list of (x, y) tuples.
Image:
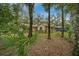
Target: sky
[(39, 10)]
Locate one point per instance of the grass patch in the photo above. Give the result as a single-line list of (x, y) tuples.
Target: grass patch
[(8, 40), (19, 41), (33, 39)]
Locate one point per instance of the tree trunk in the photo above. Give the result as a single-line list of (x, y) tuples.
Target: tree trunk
[(62, 34), (49, 22), (31, 19)]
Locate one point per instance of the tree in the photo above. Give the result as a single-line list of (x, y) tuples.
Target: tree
[(70, 9), (31, 7), (10, 22), (74, 18), (47, 8), (5, 17), (18, 30), (62, 7), (76, 31)]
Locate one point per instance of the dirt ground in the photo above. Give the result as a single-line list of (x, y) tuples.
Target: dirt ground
[(53, 47), (44, 47)]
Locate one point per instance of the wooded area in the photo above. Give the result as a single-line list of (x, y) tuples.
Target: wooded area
[(23, 32)]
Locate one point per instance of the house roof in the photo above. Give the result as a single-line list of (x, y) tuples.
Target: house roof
[(58, 26), (35, 25)]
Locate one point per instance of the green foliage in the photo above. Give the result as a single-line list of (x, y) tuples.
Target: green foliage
[(21, 43), (46, 6), (12, 32), (76, 49), (69, 29), (33, 39), (15, 40), (58, 34), (8, 40), (5, 16), (11, 36)]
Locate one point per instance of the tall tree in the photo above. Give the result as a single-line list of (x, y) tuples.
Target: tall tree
[(62, 7), (47, 8), (31, 7)]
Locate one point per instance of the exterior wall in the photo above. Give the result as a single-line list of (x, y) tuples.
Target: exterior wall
[(34, 28), (44, 28), (41, 27)]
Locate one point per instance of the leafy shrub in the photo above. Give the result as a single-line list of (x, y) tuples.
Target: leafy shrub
[(8, 40), (33, 38)]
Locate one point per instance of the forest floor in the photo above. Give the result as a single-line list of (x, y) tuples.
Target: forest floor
[(45, 47), (54, 47)]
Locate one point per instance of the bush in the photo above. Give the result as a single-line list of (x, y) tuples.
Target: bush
[(19, 41), (33, 38), (8, 40)]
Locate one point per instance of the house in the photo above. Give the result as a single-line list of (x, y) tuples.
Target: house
[(42, 27)]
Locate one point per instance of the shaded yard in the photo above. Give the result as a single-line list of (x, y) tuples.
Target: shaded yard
[(44, 47), (52, 47)]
